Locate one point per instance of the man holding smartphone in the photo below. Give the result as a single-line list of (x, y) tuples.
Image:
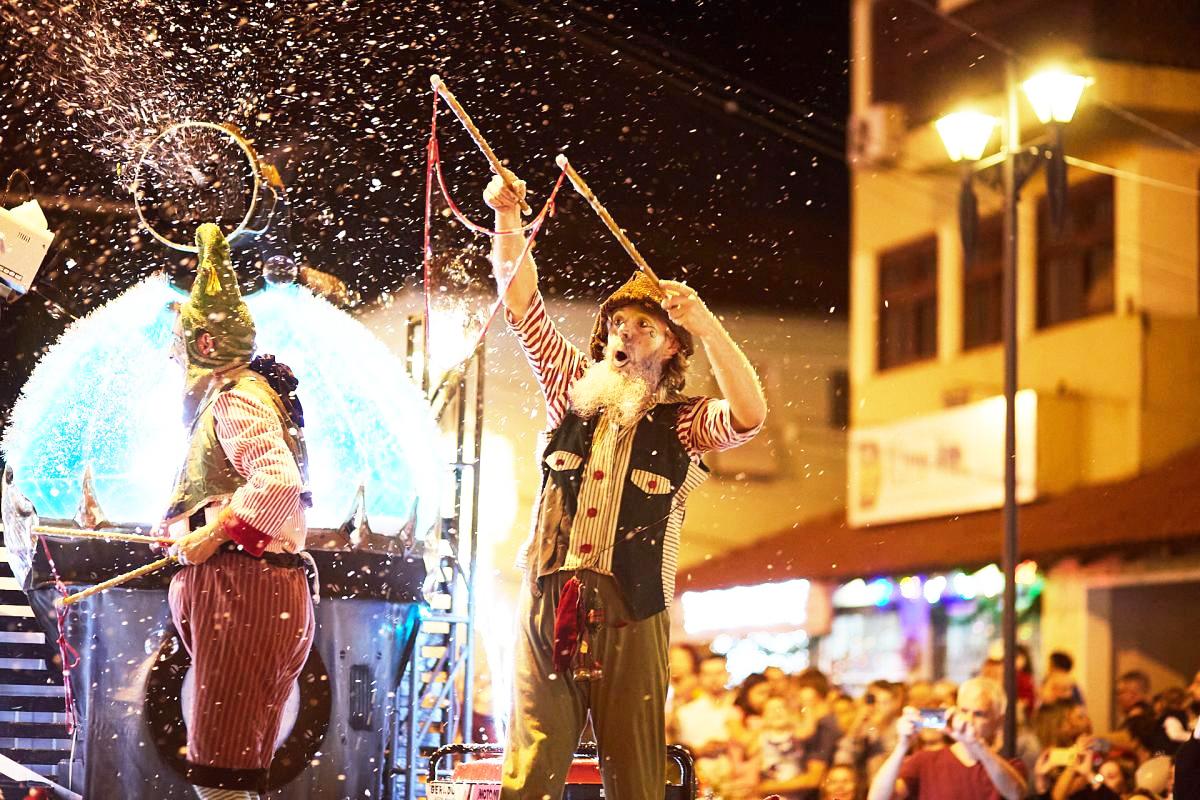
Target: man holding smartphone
[(970, 769)]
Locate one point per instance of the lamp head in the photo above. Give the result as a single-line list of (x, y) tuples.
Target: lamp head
[(1054, 94), (966, 134)]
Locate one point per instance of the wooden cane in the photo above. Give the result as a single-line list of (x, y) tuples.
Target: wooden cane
[(581, 186), (117, 581), (110, 536), (505, 174)]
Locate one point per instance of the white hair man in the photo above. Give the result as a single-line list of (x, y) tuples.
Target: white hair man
[(970, 769), (623, 453)]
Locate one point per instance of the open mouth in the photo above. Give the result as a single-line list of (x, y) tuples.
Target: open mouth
[(620, 358)]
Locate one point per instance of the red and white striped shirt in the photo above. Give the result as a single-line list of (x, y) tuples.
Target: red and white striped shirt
[(703, 424), (267, 509)]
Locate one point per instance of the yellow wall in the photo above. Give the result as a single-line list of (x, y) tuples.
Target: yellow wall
[(1117, 390)]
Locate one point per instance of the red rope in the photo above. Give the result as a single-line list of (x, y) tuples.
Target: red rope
[(433, 168), (68, 654)]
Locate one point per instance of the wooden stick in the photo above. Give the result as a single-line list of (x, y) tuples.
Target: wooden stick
[(117, 581), (582, 187), (111, 536), (440, 87)]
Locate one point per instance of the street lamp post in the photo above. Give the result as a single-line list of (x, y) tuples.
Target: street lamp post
[(1054, 95)]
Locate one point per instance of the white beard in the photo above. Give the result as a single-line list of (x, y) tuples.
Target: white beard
[(625, 394)]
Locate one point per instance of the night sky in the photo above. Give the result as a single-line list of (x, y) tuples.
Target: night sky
[(711, 130)]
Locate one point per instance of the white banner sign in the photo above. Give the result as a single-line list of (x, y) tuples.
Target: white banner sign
[(948, 462)]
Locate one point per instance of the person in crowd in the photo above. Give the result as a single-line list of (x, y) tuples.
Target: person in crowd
[(1133, 696), (683, 666), (705, 724), (683, 663), (970, 769), (1092, 776), (777, 753), (992, 667), (845, 709), (751, 695), (1026, 685), (873, 734), (841, 783), (1059, 683), (818, 726), (920, 694), (1193, 706), (778, 680), (1060, 726), (1172, 723), (1187, 767)]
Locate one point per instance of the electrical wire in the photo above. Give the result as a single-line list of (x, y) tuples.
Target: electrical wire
[(696, 88), (990, 41)]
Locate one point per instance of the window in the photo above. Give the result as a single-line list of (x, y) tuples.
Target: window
[(839, 399), (983, 285), (908, 303), (1075, 265)]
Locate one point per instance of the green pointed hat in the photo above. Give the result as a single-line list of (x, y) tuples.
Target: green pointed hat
[(216, 308)]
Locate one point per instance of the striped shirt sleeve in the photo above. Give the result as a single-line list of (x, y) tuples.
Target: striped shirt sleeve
[(252, 437), (706, 424), (556, 362)]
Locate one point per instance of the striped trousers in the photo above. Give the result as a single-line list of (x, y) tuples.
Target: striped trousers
[(248, 627)]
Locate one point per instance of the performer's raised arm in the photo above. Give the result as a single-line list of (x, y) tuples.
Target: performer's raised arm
[(735, 376), (507, 248)]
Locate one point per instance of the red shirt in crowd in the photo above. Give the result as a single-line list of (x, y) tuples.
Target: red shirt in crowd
[(939, 775)]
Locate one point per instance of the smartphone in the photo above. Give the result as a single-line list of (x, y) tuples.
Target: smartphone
[(1060, 757), (933, 719)]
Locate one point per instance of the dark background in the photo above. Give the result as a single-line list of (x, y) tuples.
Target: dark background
[(713, 131)]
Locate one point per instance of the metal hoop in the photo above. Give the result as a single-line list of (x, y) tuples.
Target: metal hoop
[(251, 156)]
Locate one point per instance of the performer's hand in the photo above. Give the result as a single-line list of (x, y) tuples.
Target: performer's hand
[(500, 196), (200, 545), (686, 309)]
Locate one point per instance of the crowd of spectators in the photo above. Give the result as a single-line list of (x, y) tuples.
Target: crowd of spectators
[(802, 738)]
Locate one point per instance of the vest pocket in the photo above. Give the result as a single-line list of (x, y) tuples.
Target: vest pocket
[(650, 482), (563, 460)]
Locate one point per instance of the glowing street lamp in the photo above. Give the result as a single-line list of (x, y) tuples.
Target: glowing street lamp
[(1054, 94), (966, 134)]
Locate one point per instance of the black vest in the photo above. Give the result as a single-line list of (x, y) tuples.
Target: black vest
[(637, 559)]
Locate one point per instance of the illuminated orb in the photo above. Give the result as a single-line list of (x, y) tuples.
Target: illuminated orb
[(107, 395)]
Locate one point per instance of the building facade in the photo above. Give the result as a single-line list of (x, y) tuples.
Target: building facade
[(1108, 326)]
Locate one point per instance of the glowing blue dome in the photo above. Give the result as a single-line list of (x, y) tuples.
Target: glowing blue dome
[(107, 395)]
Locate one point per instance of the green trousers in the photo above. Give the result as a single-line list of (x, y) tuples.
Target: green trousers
[(626, 704)]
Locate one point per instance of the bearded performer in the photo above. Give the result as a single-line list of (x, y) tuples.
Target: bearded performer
[(623, 454), (241, 604)]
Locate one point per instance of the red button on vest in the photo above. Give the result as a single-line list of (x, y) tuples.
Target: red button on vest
[(652, 484), (585, 548), (598, 474), (591, 512)]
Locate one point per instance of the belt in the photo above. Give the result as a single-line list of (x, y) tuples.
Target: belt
[(274, 559), (300, 560)]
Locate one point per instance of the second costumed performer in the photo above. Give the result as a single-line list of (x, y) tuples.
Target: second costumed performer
[(241, 605), (623, 453)]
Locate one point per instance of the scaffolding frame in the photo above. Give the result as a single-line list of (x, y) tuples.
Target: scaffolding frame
[(432, 708)]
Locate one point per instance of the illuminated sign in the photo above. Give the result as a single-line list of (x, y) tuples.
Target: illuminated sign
[(937, 464), (788, 605)]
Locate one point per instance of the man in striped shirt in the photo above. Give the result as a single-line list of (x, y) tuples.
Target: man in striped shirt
[(241, 604), (623, 453)]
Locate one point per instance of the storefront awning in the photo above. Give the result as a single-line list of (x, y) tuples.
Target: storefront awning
[(1160, 507)]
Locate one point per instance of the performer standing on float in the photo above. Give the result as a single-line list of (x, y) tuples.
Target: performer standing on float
[(623, 453), (241, 605)]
